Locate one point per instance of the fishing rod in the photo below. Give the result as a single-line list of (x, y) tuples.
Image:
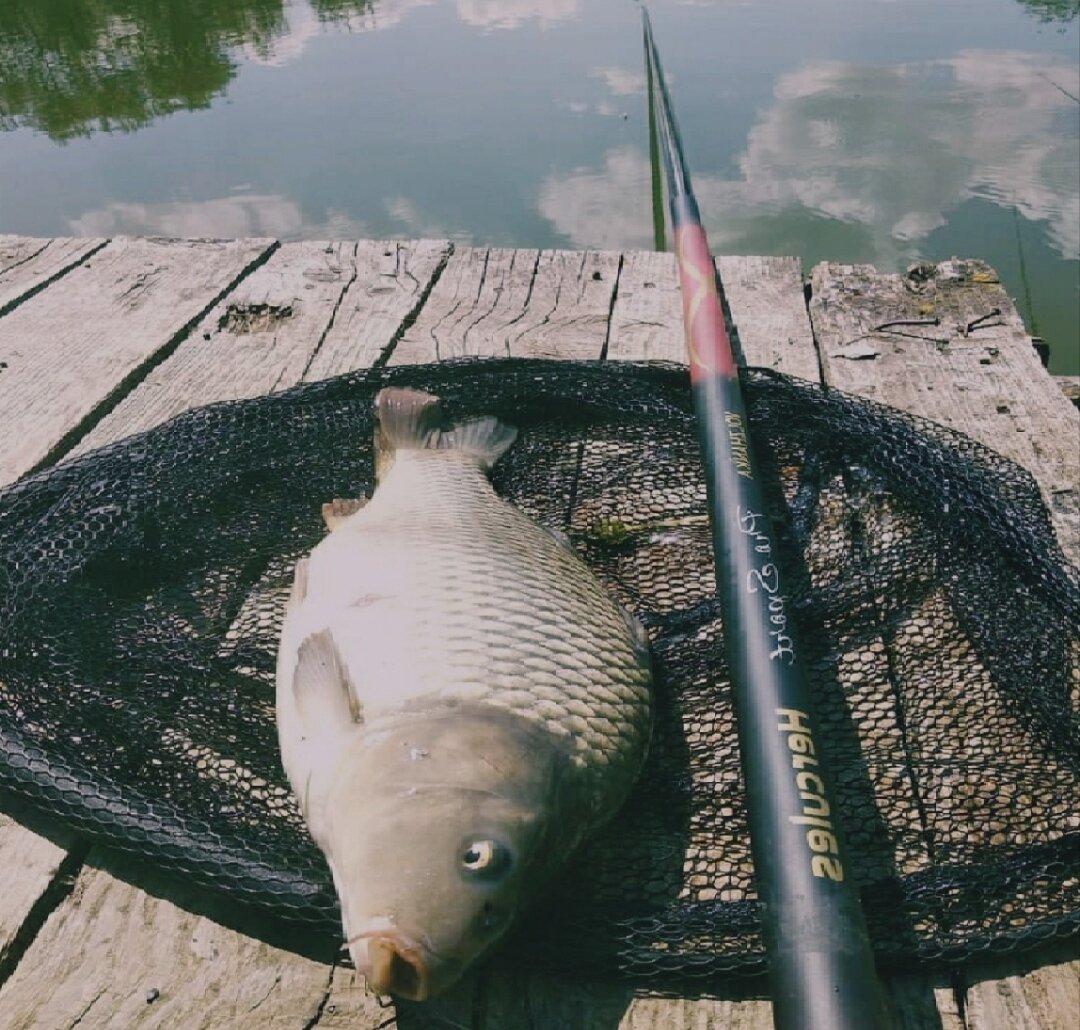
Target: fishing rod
[(821, 968)]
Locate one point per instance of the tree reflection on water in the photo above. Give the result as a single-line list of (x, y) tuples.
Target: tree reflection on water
[(69, 67), (340, 10), (1053, 10)]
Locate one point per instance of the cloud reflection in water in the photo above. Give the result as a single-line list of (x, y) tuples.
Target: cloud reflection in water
[(891, 148)]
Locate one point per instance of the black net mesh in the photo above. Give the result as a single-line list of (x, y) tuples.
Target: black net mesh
[(142, 588)]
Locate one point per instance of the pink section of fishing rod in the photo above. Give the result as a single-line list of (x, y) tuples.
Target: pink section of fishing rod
[(707, 342)]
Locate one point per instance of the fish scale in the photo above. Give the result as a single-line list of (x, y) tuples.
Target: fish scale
[(453, 671), (500, 601)]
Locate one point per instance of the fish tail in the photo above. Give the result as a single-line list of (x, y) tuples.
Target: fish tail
[(412, 420)]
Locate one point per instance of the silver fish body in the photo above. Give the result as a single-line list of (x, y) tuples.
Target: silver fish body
[(459, 702)]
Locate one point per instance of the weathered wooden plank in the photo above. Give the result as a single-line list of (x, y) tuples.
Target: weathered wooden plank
[(503, 303), (53, 345), (261, 337), (390, 277), (1070, 386), (66, 351), (28, 264), (281, 325), (31, 864), (114, 956), (946, 342), (768, 320), (1044, 998)]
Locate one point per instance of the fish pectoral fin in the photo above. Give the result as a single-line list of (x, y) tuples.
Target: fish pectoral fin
[(325, 698), (639, 635), (299, 584), (561, 538), (335, 512)]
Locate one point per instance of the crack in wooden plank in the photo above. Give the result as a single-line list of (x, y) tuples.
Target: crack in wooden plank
[(611, 306), (432, 332), (528, 296), (29, 257), (414, 313), (50, 899), (15, 302), (498, 291), (82, 1015), (546, 320), (138, 375), (333, 316), (808, 296)]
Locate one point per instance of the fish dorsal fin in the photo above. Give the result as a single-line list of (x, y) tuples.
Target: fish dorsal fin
[(412, 420), (325, 699), (406, 419), (485, 439)]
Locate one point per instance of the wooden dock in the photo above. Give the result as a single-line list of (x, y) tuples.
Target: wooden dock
[(101, 338)]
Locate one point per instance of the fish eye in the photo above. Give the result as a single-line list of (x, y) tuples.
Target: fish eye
[(485, 858)]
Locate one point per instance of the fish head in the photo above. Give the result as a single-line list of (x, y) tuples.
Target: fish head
[(440, 829)]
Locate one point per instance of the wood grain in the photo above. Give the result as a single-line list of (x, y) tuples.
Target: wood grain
[(515, 303), (946, 342), (768, 322), (28, 264), (66, 351), (281, 325), (115, 956)]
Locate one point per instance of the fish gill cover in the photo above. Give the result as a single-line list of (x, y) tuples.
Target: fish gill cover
[(142, 588)]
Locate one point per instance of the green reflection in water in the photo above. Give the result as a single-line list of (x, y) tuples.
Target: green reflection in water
[(656, 180), (68, 67), (1053, 10), (343, 10), (837, 130)]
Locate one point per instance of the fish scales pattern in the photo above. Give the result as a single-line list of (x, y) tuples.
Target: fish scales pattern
[(511, 617)]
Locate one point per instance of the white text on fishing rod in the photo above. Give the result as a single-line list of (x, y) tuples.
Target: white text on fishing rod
[(766, 579), (740, 445), (821, 835)]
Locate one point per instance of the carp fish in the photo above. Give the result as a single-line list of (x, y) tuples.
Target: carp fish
[(459, 702)]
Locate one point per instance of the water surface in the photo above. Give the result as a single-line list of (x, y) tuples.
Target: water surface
[(853, 130)]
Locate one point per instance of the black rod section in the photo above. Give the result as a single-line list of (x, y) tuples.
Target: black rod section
[(821, 968)]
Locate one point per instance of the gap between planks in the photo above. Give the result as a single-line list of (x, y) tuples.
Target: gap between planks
[(383, 295), (501, 313)]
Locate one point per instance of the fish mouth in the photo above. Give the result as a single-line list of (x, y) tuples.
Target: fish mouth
[(393, 963)]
